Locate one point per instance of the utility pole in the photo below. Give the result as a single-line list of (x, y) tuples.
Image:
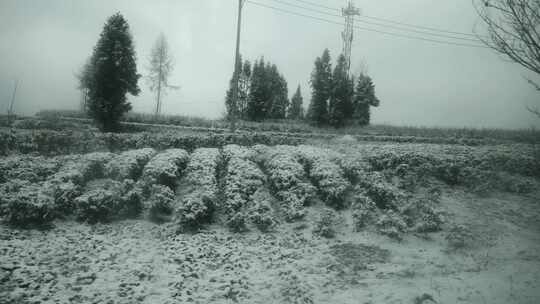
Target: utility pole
[(236, 73), (347, 35)]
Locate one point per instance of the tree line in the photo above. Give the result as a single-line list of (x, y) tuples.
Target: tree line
[(110, 73), (337, 99)]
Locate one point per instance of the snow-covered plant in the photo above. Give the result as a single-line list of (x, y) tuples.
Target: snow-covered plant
[(83, 168), (230, 151), (324, 226), (242, 179), (363, 210), (194, 210), (160, 204), (201, 171), (29, 206), (96, 206), (421, 215), (260, 213), (391, 224), (384, 194), (325, 174), (30, 168), (114, 200), (288, 180), (196, 207), (353, 166), (165, 168), (129, 164), (63, 194)]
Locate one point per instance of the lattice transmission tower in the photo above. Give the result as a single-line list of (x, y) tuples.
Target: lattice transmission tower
[(349, 12)]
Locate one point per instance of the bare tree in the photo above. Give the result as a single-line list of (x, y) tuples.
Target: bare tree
[(10, 113), (84, 77), (161, 66), (513, 29)]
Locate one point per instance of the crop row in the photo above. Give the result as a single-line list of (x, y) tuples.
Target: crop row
[(71, 142)]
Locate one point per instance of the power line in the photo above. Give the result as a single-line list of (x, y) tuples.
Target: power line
[(391, 21), (378, 23), (364, 28)]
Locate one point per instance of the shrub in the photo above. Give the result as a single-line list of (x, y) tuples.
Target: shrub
[(288, 180), (260, 213), (201, 171), (391, 224), (165, 168), (196, 207), (29, 207), (326, 175), (96, 206), (237, 222), (384, 194), (422, 216), (194, 210), (363, 210), (242, 179), (160, 204), (129, 164), (115, 201), (324, 226), (233, 150), (63, 194)]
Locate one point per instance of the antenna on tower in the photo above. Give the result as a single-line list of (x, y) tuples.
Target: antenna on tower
[(349, 12)]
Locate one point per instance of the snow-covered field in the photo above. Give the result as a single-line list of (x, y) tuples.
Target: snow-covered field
[(338, 222)]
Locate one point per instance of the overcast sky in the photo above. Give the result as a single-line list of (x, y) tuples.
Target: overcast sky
[(44, 43)]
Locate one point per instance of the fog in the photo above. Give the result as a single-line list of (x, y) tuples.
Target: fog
[(421, 83)]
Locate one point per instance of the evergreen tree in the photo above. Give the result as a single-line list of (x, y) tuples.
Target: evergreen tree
[(321, 85), (244, 83), (364, 98), (341, 98), (278, 93), (257, 101), (114, 74), (296, 111), (243, 90)]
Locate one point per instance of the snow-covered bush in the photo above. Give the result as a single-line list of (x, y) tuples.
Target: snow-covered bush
[(242, 179), (33, 169), (114, 200), (353, 167), (391, 224), (421, 215), (196, 207), (384, 194), (288, 180), (194, 210), (363, 210), (28, 206), (324, 226), (160, 205), (96, 206), (63, 194), (230, 151), (325, 174), (260, 213), (165, 168), (129, 164), (201, 171), (83, 168)]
